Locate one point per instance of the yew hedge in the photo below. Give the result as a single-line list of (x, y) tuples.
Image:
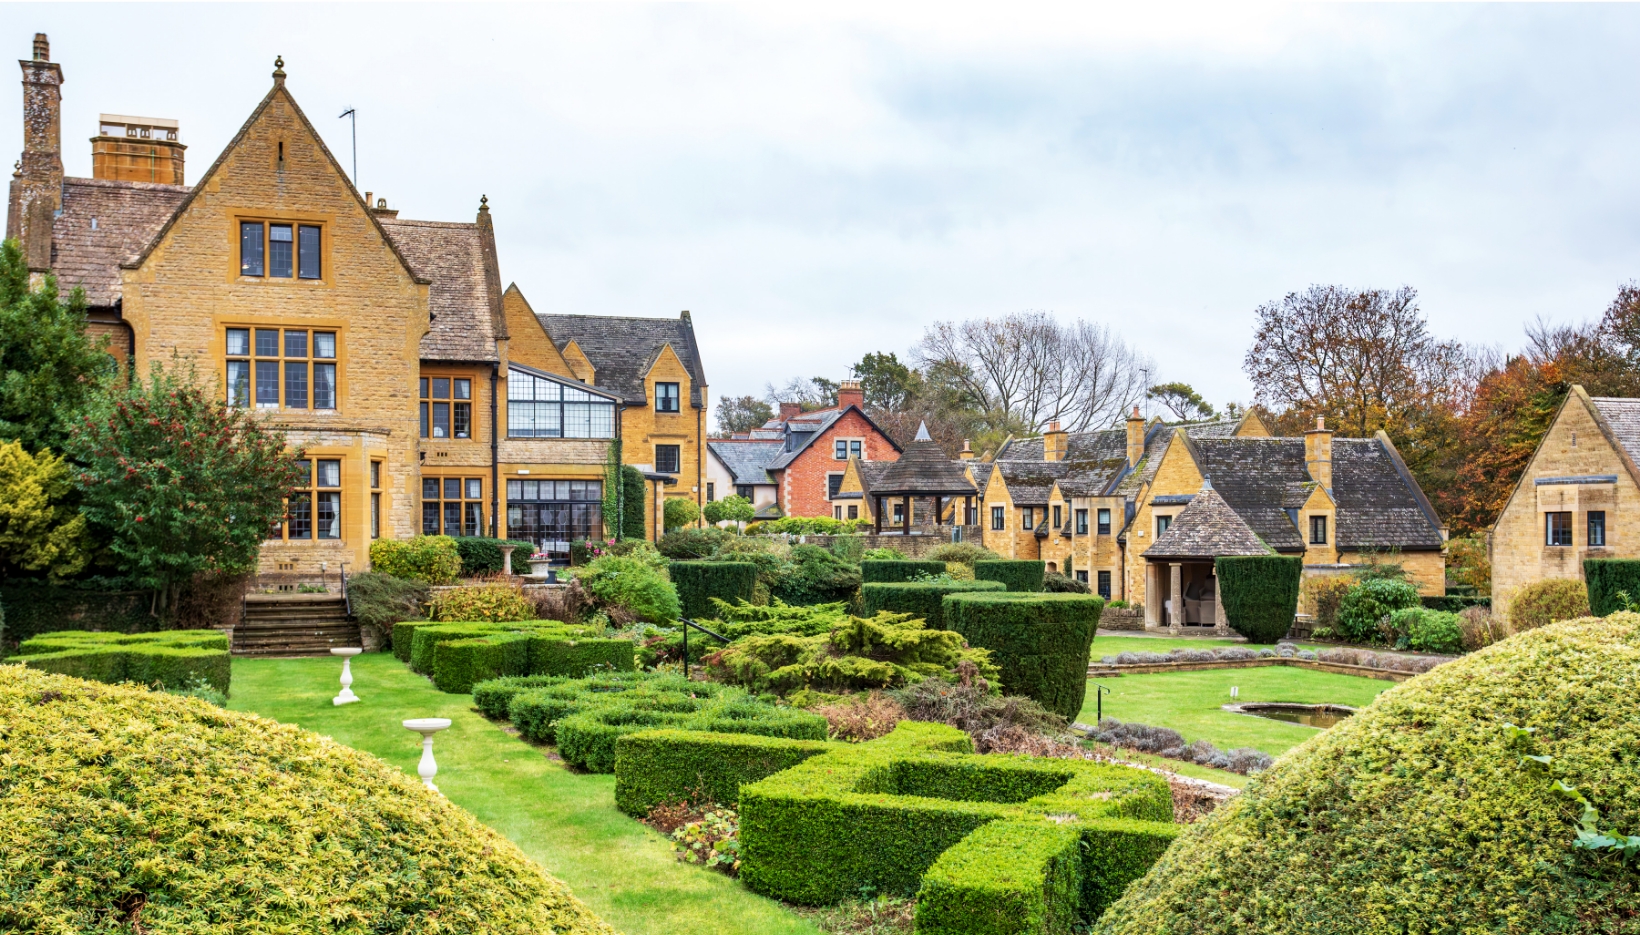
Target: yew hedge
[(1039, 642), (172, 658), (459, 655)]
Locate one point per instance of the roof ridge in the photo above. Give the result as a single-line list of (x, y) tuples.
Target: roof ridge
[(120, 183), (413, 222)]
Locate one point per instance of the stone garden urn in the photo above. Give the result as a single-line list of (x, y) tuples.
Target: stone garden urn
[(539, 566)]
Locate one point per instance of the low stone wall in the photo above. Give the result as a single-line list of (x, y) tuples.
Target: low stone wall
[(1337, 668), (1122, 618)]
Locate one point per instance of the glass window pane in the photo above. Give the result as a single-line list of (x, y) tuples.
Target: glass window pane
[(375, 516), (577, 420), (301, 516), (515, 490), (429, 488), (307, 251), (571, 393), (324, 344), (295, 343), (324, 386), (462, 420), (603, 420), (463, 389), (424, 420), (452, 518), (854, 449), (267, 342), (296, 384), (423, 388), (280, 251), (239, 383), (441, 420), (473, 522), (239, 342), (429, 518), (475, 488), (304, 473), (532, 490), (330, 474), (375, 474), (452, 488), (520, 419), (441, 387), (267, 384), (330, 515), (841, 451), (250, 248), (547, 390)]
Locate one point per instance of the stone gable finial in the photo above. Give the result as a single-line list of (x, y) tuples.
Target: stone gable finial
[(279, 69), (483, 203)]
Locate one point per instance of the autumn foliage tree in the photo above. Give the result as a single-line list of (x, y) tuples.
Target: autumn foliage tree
[(182, 483)]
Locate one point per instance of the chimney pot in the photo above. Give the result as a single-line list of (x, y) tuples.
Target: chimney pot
[(1320, 423), (42, 47)]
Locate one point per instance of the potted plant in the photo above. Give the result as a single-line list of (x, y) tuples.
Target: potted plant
[(540, 564)]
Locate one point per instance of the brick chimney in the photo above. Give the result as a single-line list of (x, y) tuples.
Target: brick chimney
[(789, 411), (137, 149), (850, 394), (1135, 438), (967, 453), (1318, 453), (1054, 441), (38, 191)]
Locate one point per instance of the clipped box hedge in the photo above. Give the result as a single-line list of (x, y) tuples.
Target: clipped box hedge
[(170, 658), (917, 598), (587, 717), (1017, 574), (118, 801), (896, 570), (460, 655), (481, 555), (654, 767), (900, 815), (699, 582), (1607, 578), (1260, 594), (1040, 642)]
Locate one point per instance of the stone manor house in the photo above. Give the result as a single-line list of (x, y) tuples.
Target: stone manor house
[(427, 397)]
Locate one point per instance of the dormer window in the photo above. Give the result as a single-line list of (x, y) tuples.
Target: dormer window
[(1318, 530), (666, 397)]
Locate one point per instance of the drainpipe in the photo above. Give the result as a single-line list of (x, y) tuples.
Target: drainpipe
[(619, 533), (495, 456)]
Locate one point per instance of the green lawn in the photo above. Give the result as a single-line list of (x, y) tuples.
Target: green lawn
[(564, 821), (1189, 702)]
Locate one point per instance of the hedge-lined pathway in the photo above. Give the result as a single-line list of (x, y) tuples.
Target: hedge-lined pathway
[(564, 821)]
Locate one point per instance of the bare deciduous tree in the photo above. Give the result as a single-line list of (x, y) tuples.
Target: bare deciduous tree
[(1035, 370)]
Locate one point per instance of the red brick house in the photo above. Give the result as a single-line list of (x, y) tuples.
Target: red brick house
[(808, 466)]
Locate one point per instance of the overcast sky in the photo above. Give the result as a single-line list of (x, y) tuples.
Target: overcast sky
[(815, 182)]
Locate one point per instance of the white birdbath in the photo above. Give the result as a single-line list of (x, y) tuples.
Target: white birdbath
[(506, 559), (427, 727), (346, 696)]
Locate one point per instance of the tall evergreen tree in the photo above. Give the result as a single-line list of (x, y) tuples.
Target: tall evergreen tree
[(49, 368)]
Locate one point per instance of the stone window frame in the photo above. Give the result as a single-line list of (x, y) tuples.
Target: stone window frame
[(320, 483), (1595, 529), (677, 459), (1027, 519), (1318, 529), (319, 256), (252, 354), (1163, 522), (850, 446), (375, 499), (1556, 523), (461, 407), (999, 519), (1102, 521), (832, 491), (469, 503), (674, 398)]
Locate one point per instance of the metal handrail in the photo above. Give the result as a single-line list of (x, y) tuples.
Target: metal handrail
[(1099, 694), (690, 624), (347, 599)]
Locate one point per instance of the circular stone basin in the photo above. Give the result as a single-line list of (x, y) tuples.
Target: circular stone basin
[(1310, 715)]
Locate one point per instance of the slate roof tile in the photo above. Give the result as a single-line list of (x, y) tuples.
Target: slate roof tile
[(747, 461), (1207, 528), (622, 349), (127, 215), (1378, 507), (451, 256), (1624, 417)]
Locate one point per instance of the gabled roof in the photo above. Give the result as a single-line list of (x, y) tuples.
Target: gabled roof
[(1207, 528), (811, 426), (871, 474), (623, 349), (464, 302), (126, 216), (1252, 474), (746, 461), (1379, 504), (1622, 417), (981, 471), (1030, 482), (924, 470)]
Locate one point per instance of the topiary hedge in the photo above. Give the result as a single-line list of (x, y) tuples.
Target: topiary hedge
[(1040, 642), (134, 804), (922, 599), (1017, 574), (898, 570), (1606, 578), (458, 655), (481, 555), (900, 814), (586, 717), (171, 658), (1421, 813), (699, 582), (432, 559), (1260, 594), (655, 767)]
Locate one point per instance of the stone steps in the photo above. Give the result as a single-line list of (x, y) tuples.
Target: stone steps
[(297, 625)]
